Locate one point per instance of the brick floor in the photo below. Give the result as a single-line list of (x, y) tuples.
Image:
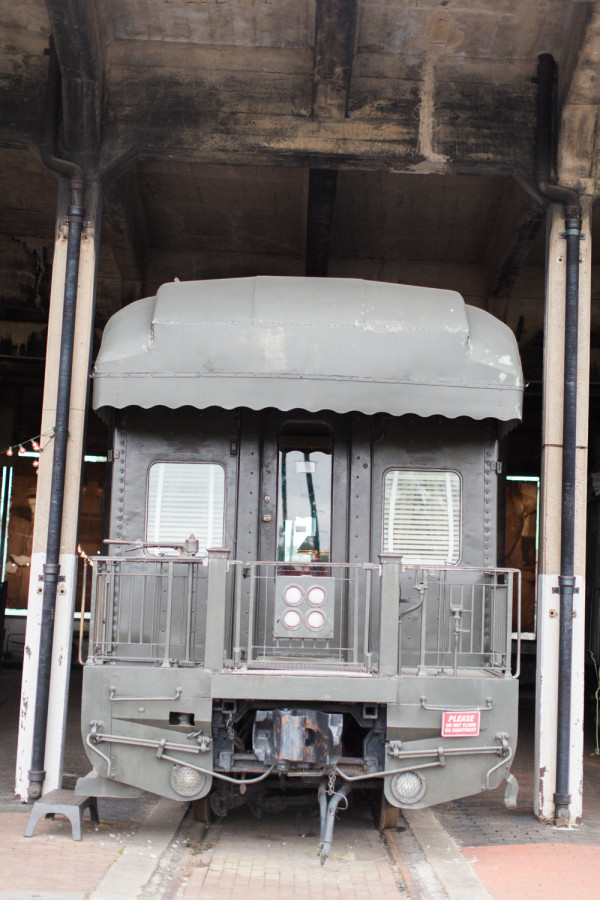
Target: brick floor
[(551, 871), (51, 861), (276, 857)]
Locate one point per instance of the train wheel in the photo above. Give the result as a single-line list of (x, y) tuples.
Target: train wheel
[(387, 815), (201, 811)]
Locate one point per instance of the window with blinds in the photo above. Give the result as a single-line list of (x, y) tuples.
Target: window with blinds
[(185, 499), (421, 516)]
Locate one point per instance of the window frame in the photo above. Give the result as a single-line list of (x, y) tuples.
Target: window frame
[(164, 551), (414, 560), (318, 436)]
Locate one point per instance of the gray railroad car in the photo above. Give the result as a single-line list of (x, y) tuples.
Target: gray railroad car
[(301, 588)]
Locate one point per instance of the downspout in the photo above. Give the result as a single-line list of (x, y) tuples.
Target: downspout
[(51, 571), (572, 211)]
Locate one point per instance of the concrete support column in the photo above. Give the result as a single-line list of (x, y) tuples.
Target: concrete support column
[(550, 523), (65, 601)]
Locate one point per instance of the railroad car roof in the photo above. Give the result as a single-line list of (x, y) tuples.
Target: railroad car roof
[(311, 343)]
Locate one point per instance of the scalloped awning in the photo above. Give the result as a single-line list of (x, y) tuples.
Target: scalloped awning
[(310, 343)]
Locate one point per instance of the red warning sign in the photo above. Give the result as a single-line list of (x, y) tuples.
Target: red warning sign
[(461, 723)]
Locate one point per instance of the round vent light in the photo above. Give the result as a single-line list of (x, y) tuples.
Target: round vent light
[(315, 619), (316, 596), (292, 618), (292, 595)]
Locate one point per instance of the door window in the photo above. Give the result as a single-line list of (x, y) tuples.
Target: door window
[(304, 494)]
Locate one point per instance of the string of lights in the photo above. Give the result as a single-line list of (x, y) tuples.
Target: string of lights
[(34, 442), (21, 447), (83, 555)]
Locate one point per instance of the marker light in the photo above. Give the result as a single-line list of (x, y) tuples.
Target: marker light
[(408, 787), (316, 596), (292, 595), (315, 619), (187, 781), (292, 618)]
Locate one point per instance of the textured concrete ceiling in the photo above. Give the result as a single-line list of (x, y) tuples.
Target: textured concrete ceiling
[(371, 138)]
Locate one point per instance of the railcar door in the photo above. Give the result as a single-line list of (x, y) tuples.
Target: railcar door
[(299, 519)]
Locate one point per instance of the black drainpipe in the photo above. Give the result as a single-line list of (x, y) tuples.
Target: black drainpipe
[(570, 199), (52, 566)]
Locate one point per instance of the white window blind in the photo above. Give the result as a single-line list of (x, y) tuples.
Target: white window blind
[(421, 516), (184, 499)]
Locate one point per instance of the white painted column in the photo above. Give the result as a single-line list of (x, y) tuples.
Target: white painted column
[(550, 519), (65, 600)]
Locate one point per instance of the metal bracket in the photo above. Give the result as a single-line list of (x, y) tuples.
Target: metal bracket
[(563, 235), (556, 590)]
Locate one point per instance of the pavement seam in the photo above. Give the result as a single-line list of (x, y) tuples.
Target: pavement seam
[(444, 856), (141, 855)]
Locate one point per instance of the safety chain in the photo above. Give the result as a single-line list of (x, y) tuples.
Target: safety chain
[(331, 784), (235, 740)]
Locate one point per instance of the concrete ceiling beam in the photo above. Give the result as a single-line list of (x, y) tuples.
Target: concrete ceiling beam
[(579, 148), (264, 139), (80, 49), (335, 43)]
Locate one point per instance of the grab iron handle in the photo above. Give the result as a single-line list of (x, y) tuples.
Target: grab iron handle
[(489, 704), (114, 699)]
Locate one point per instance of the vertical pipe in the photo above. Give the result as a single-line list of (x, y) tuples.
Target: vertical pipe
[(566, 580), (545, 152)]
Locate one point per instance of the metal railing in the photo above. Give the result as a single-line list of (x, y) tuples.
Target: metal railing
[(347, 607), (225, 614), (148, 610), (458, 618)]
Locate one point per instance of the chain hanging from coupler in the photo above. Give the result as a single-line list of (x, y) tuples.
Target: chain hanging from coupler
[(329, 800)]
